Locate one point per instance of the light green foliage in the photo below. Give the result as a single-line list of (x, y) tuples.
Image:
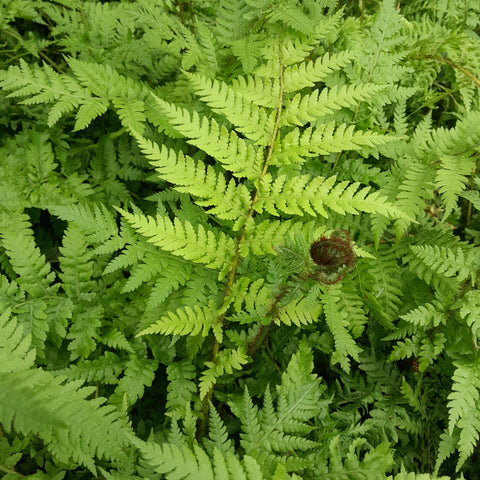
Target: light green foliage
[(166, 166)]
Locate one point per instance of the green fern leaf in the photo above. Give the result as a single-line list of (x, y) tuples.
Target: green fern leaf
[(298, 312), (305, 74), (227, 360), (459, 263), (336, 318), (183, 239), (250, 119), (305, 108), (88, 111), (234, 153), (451, 179), (33, 401), (181, 388), (470, 311), (192, 464), (16, 353), (285, 427), (302, 194), (463, 408), (186, 321), (195, 178)]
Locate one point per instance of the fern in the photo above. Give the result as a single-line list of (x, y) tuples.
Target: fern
[(184, 240), (463, 410), (36, 402), (206, 206)]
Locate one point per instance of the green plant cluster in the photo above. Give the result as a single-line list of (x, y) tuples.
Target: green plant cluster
[(166, 167)]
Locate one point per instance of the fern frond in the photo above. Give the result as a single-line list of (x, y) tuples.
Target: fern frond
[(425, 316), (248, 49), (183, 239), (262, 91), (16, 352), (451, 179), (250, 119), (470, 311), (299, 312), (131, 113), (306, 74), (35, 279), (337, 321), (104, 369), (217, 434), (464, 410), (261, 238), (230, 22), (383, 292), (234, 153), (195, 178), (192, 464), (302, 194), (33, 401), (227, 360), (95, 221), (181, 388), (323, 140), (455, 262), (34, 272), (416, 188), (284, 427), (186, 321), (305, 108), (289, 13), (139, 372)]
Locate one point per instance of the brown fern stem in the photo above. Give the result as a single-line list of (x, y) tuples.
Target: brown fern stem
[(240, 239)]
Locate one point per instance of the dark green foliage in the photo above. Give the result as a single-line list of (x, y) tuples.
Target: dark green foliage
[(239, 239)]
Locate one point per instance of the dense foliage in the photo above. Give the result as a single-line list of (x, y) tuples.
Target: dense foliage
[(239, 239)]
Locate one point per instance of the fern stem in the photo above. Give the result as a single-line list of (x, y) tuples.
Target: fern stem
[(8, 470), (240, 240), (454, 65)]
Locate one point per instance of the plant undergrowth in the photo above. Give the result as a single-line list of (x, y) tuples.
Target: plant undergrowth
[(239, 239)]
